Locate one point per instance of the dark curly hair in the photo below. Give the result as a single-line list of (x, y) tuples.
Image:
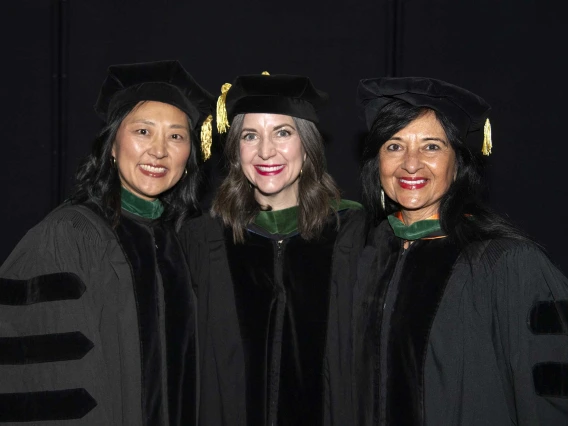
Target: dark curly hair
[(98, 182), (235, 204), (463, 197)]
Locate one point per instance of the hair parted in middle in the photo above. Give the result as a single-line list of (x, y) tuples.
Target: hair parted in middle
[(98, 183), (236, 205), (462, 200)]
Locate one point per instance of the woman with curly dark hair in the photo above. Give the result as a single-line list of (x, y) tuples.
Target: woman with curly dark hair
[(98, 325), (459, 319), (274, 266)]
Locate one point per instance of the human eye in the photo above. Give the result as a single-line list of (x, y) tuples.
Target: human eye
[(142, 132), (432, 147), (283, 133), (393, 147), (178, 137), (248, 137)]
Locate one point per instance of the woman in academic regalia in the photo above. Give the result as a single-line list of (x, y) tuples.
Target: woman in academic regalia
[(458, 319), (97, 323), (275, 266)]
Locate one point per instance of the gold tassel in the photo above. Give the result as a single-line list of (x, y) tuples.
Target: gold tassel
[(222, 119), (265, 73), (487, 143), (207, 137)]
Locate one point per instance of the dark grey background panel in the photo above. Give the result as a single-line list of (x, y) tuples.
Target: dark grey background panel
[(509, 52), (28, 118)]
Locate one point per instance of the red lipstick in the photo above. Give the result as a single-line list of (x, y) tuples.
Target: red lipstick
[(412, 183), (152, 170), (269, 170)]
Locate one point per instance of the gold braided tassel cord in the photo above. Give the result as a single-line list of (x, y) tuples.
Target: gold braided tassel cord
[(222, 119), (207, 137), (487, 142)]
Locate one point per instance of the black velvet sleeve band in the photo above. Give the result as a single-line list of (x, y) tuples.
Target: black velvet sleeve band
[(43, 288), (49, 405), (549, 317), (43, 348), (551, 379)]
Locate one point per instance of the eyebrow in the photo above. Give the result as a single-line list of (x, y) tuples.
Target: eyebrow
[(151, 123), (398, 138), (246, 129), (436, 139)]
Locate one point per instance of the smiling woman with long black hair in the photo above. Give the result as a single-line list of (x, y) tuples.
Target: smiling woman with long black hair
[(97, 323), (460, 319), (274, 268)]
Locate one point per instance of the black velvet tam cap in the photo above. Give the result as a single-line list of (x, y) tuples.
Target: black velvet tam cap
[(467, 111), (292, 95), (162, 81)]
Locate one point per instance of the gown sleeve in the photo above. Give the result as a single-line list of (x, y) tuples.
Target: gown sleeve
[(530, 325), (51, 367)]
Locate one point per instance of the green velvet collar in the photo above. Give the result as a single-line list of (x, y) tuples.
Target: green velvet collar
[(143, 208), (428, 228), (286, 221), (279, 221)]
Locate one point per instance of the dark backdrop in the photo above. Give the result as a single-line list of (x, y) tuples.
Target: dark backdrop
[(56, 54)]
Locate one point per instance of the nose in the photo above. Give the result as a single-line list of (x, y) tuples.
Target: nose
[(412, 161), (158, 147), (266, 148)]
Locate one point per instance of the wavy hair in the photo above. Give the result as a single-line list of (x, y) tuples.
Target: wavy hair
[(236, 205), (463, 197), (98, 183)]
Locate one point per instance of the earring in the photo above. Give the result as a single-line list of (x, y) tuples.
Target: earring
[(185, 173), (113, 161), (301, 170), (382, 199)]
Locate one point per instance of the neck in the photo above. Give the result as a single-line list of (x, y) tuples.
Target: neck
[(139, 206), (277, 201), (411, 216)]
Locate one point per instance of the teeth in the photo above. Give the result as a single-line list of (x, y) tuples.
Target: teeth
[(152, 169), (413, 182), (269, 168)]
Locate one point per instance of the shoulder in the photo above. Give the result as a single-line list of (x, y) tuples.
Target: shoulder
[(352, 223), (78, 220), (201, 229), (349, 205), (68, 239), (504, 250)]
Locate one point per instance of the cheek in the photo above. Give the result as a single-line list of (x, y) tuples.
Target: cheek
[(384, 169), (182, 155)]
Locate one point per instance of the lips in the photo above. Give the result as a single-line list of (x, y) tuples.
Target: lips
[(412, 183), (153, 170), (269, 170)]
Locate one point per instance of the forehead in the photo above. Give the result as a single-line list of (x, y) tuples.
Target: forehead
[(155, 110), (425, 125), (266, 120)]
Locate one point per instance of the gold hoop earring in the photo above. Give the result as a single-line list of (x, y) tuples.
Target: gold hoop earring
[(301, 170), (113, 161), (185, 173), (382, 199)]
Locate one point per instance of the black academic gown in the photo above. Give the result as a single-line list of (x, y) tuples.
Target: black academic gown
[(274, 323), (97, 327), (443, 337)]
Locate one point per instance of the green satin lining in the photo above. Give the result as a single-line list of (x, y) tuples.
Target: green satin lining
[(420, 229), (285, 221), (143, 208)]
